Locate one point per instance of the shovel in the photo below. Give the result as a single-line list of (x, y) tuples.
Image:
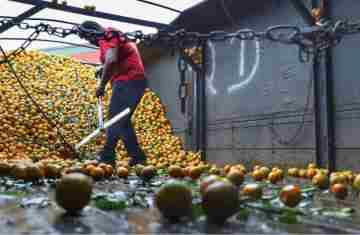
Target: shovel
[(106, 125), (101, 125)]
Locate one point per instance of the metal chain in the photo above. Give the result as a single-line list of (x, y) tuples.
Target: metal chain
[(310, 40)]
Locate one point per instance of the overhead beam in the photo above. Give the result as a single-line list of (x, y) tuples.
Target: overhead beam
[(160, 5), (98, 14), (21, 17), (303, 11)]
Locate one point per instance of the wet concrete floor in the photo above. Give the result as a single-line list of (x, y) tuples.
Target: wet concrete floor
[(35, 212)]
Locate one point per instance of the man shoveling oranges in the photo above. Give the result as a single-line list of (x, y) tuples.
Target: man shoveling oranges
[(123, 66)]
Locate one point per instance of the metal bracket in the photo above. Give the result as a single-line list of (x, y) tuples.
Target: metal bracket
[(304, 11)]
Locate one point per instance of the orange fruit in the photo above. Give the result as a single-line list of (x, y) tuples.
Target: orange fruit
[(214, 171), (320, 180), (109, 170), (265, 171), (227, 168), (312, 166), (97, 173), (356, 183), (336, 178), (302, 173), (253, 191), (102, 165), (176, 171), (195, 172), (274, 177), (294, 172), (53, 171), (339, 190), (220, 200), (89, 168), (73, 192), (19, 172), (122, 172), (148, 172), (236, 177), (174, 200), (34, 173), (258, 175), (256, 167), (138, 169), (310, 173), (290, 195)]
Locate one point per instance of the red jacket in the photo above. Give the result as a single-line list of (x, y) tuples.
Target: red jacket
[(130, 62)]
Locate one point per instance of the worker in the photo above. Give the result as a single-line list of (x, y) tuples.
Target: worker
[(123, 66)]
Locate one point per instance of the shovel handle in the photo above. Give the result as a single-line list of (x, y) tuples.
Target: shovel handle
[(100, 113)]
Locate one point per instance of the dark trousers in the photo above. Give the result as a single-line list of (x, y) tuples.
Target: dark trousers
[(124, 94)]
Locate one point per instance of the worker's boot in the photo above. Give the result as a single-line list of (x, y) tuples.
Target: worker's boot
[(106, 157), (139, 159)]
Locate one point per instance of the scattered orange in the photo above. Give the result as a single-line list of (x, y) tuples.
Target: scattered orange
[(176, 171), (122, 172), (340, 191), (253, 191), (236, 177), (290, 195)]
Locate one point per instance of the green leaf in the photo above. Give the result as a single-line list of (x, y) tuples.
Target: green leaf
[(14, 193), (288, 218), (110, 201), (347, 210), (243, 214), (197, 210), (161, 172), (110, 204), (308, 189)]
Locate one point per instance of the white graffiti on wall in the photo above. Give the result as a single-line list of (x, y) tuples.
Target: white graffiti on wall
[(244, 80), (212, 68)]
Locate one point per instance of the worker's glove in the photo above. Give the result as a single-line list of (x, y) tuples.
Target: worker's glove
[(99, 72), (100, 91)]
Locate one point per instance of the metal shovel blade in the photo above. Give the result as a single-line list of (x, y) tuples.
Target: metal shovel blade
[(106, 125)]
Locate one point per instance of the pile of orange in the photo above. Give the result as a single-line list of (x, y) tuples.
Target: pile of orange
[(64, 88)]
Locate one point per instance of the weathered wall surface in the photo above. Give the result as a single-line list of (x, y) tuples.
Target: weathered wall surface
[(347, 90), (259, 95), (164, 79)]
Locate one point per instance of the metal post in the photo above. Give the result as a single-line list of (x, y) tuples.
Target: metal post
[(317, 112), (317, 101), (98, 14), (22, 16), (330, 99)]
